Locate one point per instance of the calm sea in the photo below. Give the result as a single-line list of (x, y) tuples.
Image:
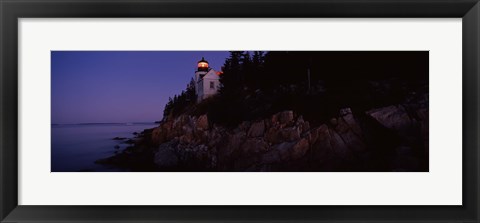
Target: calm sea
[(75, 147)]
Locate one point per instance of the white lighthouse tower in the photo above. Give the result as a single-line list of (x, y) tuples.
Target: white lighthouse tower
[(207, 80)]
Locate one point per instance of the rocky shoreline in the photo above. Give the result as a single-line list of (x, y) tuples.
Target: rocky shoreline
[(392, 138)]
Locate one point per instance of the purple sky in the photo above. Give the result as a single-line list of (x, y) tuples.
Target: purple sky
[(120, 86)]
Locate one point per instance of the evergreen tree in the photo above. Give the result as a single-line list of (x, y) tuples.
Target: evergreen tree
[(247, 70), (168, 107), (190, 92), (255, 75), (231, 78), (180, 102)]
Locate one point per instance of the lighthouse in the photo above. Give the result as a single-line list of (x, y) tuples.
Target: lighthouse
[(207, 80)]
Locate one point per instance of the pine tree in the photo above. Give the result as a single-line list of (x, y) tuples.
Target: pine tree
[(191, 94), (231, 79), (247, 70), (256, 75), (182, 101), (168, 107)]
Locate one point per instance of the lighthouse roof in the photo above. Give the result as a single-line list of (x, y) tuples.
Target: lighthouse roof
[(211, 74), (202, 60)]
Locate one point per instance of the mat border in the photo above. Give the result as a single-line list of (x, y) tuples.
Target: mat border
[(12, 10)]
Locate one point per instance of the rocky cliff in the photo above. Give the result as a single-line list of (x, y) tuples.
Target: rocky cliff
[(393, 138)]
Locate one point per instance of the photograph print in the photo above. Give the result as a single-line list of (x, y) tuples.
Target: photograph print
[(239, 111)]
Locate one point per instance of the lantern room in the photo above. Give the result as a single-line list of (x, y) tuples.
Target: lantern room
[(202, 65)]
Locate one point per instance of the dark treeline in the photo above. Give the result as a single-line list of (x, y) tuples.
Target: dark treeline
[(179, 103), (269, 70), (315, 84)]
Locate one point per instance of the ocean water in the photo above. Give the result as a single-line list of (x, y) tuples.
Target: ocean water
[(75, 147)]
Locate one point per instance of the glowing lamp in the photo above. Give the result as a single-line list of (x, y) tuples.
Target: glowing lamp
[(202, 65)]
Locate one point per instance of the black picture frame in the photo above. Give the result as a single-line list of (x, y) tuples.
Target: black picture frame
[(12, 10)]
